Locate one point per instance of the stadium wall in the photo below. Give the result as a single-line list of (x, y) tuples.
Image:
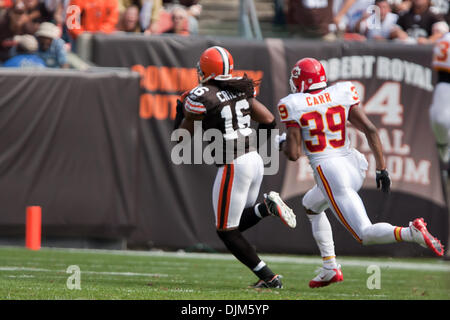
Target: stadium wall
[(69, 144)]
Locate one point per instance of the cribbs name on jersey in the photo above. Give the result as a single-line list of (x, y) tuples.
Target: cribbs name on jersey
[(228, 96)]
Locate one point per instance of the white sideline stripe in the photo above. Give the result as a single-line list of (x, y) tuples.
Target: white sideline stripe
[(127, 274), (351, 262)]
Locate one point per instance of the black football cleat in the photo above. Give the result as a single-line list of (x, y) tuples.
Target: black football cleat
[(275, 282)]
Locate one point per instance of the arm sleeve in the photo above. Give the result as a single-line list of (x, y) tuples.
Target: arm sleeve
[(61, 52), (193, 106)]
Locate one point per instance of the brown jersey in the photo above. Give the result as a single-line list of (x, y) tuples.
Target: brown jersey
[(229, 113)]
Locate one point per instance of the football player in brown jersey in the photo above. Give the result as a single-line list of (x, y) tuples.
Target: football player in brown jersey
[(226, 103)]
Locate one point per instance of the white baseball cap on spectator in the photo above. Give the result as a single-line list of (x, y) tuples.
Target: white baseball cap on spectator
[(27, 42), (48, 30)]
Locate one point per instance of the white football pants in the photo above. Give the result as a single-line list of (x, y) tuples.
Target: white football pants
[(338, 181), (440, 118), (236, 187)]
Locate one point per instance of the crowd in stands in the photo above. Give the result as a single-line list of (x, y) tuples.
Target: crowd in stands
[(406, 21), (42, 32)]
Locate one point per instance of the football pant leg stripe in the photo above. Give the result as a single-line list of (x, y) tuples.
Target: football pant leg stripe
[(334, 204), (219, 204), (229, 189), (224, 197)]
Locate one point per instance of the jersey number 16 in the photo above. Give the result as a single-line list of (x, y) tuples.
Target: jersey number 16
[(243, 122)]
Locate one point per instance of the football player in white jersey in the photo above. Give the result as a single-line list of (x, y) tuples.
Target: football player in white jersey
[(440, 107), (315, 116)]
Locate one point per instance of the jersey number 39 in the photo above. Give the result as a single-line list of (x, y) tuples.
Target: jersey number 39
[(319, 128)]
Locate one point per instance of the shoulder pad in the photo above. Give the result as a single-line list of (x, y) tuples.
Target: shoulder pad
[(346, 91)]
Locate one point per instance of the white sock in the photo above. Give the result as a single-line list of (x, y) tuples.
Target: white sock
[(379, 233), (382, 233), (322, 233), (403, 234), (260, 265), (257, 213), (329, 262)]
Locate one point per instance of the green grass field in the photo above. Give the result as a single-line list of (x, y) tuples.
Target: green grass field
[(108, 275)]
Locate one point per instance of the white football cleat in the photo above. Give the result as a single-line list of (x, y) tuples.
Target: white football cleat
[(421, 235), (278, 208), (327, 277)]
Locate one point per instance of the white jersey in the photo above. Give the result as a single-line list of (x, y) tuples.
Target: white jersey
[(322, 118), (441, 54)]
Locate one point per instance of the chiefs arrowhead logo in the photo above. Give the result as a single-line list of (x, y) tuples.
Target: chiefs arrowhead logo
[(296, 72)]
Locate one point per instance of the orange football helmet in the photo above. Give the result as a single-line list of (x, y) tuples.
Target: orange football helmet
[(215, 63)]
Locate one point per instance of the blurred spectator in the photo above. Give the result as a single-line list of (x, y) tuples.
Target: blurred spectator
[(124, 4), (194, 10), (279, 17), (184, 3), (188, 3), (416, 25), (350, 13), (5, 4), (12, 22), (315, 19), (37, 13), (25, 56), (129, 21), (95, 16), (440, 7), (39, 9), (51, 47), (378, 25), (180, 22), (400, 6), (58, 9), (150, 15)]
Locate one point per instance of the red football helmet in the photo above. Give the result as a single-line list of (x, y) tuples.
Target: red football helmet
[(307, 74), (215, 63)]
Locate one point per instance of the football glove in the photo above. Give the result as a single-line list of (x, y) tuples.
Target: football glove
[(383, 180), (279, 139)]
